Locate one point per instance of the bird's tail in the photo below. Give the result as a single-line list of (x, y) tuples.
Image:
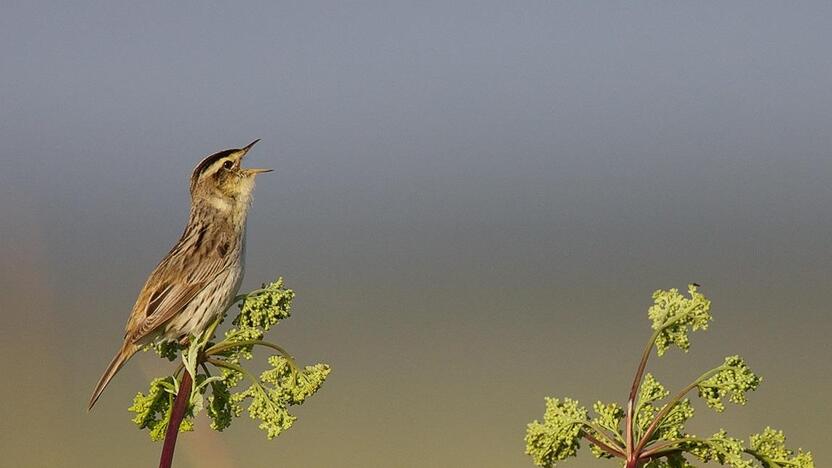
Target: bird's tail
[(126, 352)]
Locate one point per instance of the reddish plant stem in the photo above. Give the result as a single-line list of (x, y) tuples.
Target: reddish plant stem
[(669, 406), (634, 463), (610, 450), (180, 405), (631, 400)]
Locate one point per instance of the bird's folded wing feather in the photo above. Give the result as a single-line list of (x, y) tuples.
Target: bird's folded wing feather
[(160, 302)]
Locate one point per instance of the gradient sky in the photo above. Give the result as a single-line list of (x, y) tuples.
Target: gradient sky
[(473, 202)]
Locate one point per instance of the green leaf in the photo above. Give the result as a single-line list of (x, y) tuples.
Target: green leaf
[(153, 410), (557, 437), (673, 314), (166, 349), (221, 408)]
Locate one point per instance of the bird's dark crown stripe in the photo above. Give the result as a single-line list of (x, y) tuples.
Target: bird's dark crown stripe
[(206, 163)]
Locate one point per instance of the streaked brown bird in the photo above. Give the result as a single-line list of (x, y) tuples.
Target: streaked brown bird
[(200, 276)]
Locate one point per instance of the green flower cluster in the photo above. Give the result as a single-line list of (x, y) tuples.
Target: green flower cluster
[(670, 461), (265, 307), (767, 448), (261, 309), (733, 379), (651, 428), (557, 437), (721, 448), (607, 422), (672, 314), (651, 391), (268, 395), (770, 447)]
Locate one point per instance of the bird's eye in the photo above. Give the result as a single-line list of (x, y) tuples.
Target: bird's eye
[(228, 164)]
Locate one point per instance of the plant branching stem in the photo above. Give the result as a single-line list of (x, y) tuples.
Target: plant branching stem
[(240, 297), (233, 367), (180, 405), (631, 401), (668, 407), (610, 438), (220, 347), (666, 448), (615, 451), (629, 422), (634, 463)]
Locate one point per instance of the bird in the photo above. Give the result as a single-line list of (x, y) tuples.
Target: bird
[(200, 276)]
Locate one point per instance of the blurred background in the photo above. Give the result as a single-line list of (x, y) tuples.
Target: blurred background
[(473, 201)]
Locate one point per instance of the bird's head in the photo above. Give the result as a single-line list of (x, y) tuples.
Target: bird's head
[(219, 179)]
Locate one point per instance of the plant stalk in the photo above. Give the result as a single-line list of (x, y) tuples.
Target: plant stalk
[(180, 405), (634, 463), (631, 400), (614, 451), (669, 406)]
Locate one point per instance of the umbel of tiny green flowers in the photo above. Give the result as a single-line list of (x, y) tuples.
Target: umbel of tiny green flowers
[(649, 431), (557, 437), (266, 397), (673, 314)]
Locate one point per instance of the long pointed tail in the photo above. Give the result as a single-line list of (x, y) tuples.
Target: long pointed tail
[(126, 352)]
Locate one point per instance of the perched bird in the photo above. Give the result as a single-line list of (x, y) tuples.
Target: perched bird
[(200, 276)]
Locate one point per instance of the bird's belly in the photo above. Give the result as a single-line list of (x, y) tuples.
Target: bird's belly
[(213, 300)]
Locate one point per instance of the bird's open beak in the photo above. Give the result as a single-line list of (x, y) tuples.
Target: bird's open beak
[(252, 171), (249, 146)]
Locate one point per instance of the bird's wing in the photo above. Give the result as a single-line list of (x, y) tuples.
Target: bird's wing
[(171, 286), (166, 311)]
